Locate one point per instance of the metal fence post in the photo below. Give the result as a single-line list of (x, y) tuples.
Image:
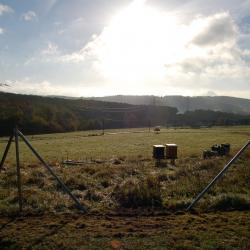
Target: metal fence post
[(206, 189), (19, 184), (64, 187), (6, 151)]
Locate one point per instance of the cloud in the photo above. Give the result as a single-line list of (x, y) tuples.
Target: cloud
[(46, 87), (216, 29), (143, 49), (52, 49), (1, 31), (28, 86), (213, 52), (147, 51), (210, 93), (50, 4), (5, 9), (246, 52), (75, 57), (29, 16)]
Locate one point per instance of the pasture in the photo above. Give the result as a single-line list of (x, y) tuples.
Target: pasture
[(129, 199), (128, 142)]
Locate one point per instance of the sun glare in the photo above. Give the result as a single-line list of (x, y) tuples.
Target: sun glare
[(138, 44)]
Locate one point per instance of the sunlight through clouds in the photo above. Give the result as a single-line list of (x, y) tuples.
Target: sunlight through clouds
[(129, 46), (143, 48)]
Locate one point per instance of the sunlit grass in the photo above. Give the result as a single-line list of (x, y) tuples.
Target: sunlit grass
[(125, 181), (121, 177), (81, 145)]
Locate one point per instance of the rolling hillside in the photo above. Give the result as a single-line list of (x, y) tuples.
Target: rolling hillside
[(36, 114), (184, 103)]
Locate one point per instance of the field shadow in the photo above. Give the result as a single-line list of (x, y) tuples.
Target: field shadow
[(7, 223), (50, 233)]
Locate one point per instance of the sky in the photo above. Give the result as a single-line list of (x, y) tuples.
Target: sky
[(130, 47)]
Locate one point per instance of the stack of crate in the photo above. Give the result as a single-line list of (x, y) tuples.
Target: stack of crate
[(169, 152)]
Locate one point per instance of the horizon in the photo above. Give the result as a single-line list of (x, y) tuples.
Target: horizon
[(128, 47), (135, 95)]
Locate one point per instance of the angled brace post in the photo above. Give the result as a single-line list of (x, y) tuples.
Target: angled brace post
[(6, 152), (64, 187), (216, 178)]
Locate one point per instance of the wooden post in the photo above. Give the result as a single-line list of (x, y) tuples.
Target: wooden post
[(103, 126), (18, 172), (149, 126), (6, 152)]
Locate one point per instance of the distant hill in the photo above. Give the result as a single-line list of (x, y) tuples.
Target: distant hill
[(36, 114), (183, 103)]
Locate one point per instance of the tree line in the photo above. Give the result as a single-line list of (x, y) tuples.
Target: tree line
[(36, 114)]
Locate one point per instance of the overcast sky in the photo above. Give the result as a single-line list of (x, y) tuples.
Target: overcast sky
[(108, 47)]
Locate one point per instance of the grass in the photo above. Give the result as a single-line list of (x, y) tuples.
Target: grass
[(79, 145), (124, 178), (174, 231), (135, 193), (119, 177)]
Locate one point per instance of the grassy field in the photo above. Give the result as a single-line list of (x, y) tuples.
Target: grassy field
[(129, 199), (81, 145)]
